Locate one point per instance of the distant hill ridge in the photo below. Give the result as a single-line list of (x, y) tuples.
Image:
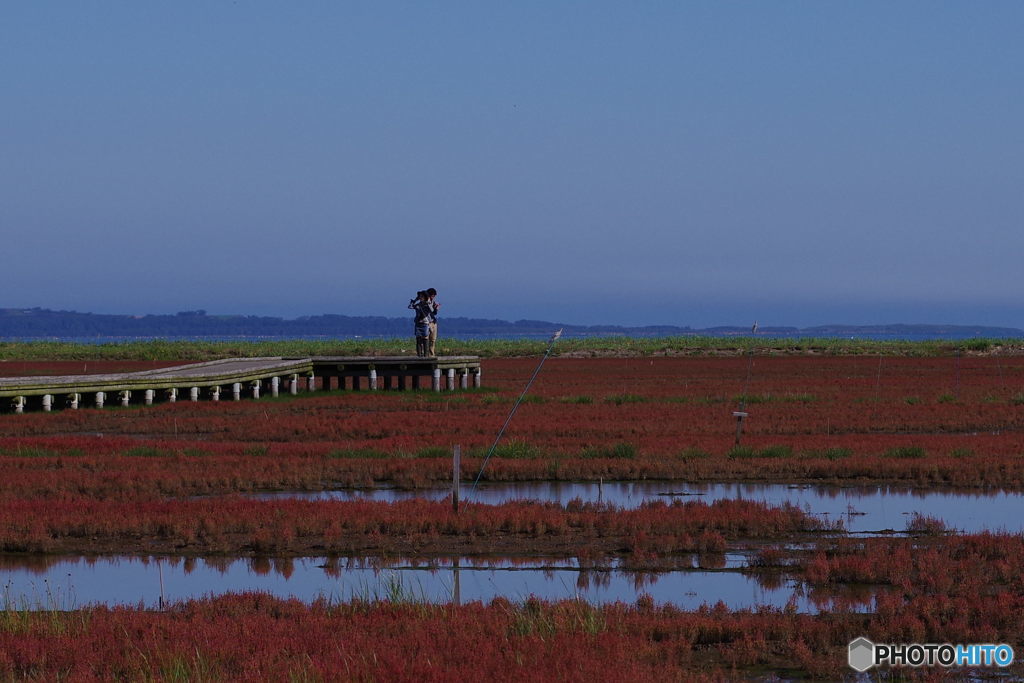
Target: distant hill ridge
[(41, 322)]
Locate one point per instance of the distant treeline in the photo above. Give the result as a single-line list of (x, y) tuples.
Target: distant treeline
[(40, 322)]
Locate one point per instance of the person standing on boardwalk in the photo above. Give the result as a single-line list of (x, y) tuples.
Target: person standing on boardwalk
[(432, 307), (421, 322)]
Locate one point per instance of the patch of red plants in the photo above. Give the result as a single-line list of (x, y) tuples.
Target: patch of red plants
[(258, 637), (297, 527)]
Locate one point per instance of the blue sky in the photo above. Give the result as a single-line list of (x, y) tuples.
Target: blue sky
[(688, 163)]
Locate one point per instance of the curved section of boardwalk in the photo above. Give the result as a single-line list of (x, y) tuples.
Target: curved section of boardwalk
[(238, 377)]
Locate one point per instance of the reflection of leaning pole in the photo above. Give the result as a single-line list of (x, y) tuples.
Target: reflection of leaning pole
[(551, 344)]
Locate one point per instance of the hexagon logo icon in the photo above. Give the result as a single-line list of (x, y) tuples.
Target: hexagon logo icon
[(862, 654)]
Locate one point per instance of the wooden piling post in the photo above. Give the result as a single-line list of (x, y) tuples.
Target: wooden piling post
[(172, 395), (373, 379), (47, 403), (193, 394), (19, 404), (236, 391), (275, 386), (126, 398), (464, 378), (100, 396), (451, 379), (476, 379), (73, 400), (215, 393), (436, 383), (148, 396), (294, 388), (256, 388)]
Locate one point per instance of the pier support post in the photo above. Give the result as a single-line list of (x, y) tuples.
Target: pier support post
[(255, 388), (147, 398), (100, 397), (236, 391), (415, 382), (373, 379), (476, 378), (172, 395), (275, 386), (126, 397), (18, 402), (193, 394), (73, 400), (294, 384), (47, 403), (401, 382), (464, 378), (435, 383), (214, 393), (451, 379), (311, 382)]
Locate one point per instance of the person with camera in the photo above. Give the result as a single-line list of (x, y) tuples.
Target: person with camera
[(421, 321)]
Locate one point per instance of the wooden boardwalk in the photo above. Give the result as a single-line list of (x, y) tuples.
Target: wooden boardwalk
[(238, 377)]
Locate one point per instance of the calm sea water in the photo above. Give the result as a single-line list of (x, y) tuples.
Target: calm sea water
[(69, 582)]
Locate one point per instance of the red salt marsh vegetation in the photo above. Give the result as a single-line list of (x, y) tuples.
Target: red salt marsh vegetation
[(122, 480), (931, 421), (294, 527), (259, 637)]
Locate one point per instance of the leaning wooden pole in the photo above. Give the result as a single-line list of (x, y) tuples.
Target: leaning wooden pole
[(456, 472)]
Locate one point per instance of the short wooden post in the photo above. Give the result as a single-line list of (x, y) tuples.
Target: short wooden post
[(18, 402), (373, 379), (294, 388), (311, 382), (147, 397), (214, 393), (451, 379), (47, 402), (739, 415), (476, 378), (456, 475), (172, 395), (126, 398), (255, 388), (100, 396), (275, 386), (464, 378), (236, 391), (73, 400), (436, 383), (193, 394)]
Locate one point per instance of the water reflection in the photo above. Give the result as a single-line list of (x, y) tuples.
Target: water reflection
[(68, 582), (862, 509)]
